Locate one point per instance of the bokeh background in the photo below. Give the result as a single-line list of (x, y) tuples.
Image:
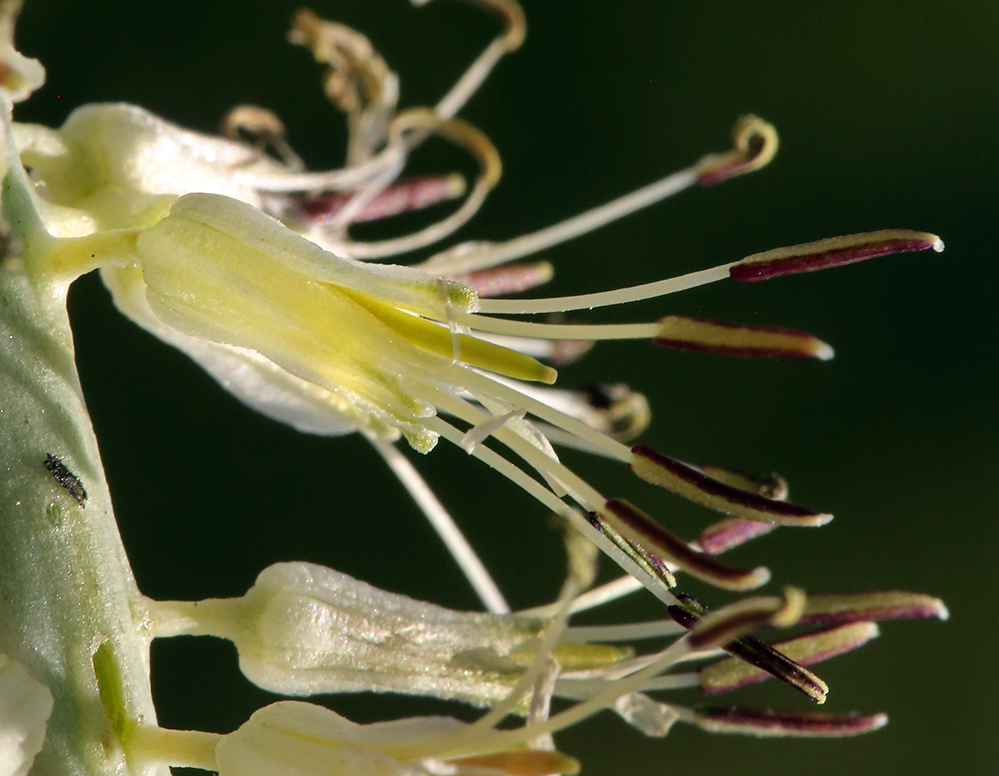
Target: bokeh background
[(888, 114)]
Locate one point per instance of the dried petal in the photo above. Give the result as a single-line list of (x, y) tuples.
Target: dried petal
[(695, 486), (723, 338), (831, 252)]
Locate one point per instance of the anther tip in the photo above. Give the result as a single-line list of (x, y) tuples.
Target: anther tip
[(821, 519), (758, 577), (938, 246), (824, 351)]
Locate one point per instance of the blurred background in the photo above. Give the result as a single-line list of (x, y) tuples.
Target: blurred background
[(887, 113)]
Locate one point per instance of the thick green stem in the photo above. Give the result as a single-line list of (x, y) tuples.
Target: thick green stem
[(66, 588)]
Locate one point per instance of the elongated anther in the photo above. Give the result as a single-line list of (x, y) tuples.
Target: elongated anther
[(635, 526), (525, 762), (508, 279), (724, 626), (406, 195), (723, 338), (770, 723), (730, 673), (889, 605), (831, 252), (731, 532), (695, 486), (653, 565), (755, 143), (730, 622)]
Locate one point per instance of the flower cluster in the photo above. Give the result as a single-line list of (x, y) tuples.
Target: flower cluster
[(228, 249)]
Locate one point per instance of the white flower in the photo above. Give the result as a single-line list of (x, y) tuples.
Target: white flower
[(25, 706)]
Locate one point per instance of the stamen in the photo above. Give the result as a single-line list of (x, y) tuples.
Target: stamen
[(515, 28), (598, 596), (613, 331), (358, 81), (852, 607), (462, 134), (585, 634), (831, 252), (404, 196), (504, 739), (528, 762), (615, 410), (478, 433), (639, 528), (460, 259), (649, 562), (723, 338), (731, 673), (731, 532), (265, 127), (689, 613), (601, 298), (730, 622), (770, 723), (482, 385), (755, 142), (511, 279), (464, 555), (772, 486), (548, 499), (688, 482)]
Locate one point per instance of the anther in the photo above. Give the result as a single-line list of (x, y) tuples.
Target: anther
[(635, 526), (730, 622), (724, 626), (890, 605), (263, 128), (509, 279), (770, 723), (404, 196), (831, 252), (755, 143), (723, 338), (731, 673), (695, 486)]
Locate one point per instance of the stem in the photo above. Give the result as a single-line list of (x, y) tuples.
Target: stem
[(66, 588)]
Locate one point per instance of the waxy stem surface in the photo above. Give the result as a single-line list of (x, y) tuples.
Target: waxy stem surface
[(66, 588)]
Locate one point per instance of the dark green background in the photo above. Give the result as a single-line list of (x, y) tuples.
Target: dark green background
[(888, 115)]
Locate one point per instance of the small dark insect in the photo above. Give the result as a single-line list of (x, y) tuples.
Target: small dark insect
[(66, 478)]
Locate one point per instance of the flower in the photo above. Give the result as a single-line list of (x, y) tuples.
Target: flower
[(25, 706), (330, 344), (245, 262), (302, 738)]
